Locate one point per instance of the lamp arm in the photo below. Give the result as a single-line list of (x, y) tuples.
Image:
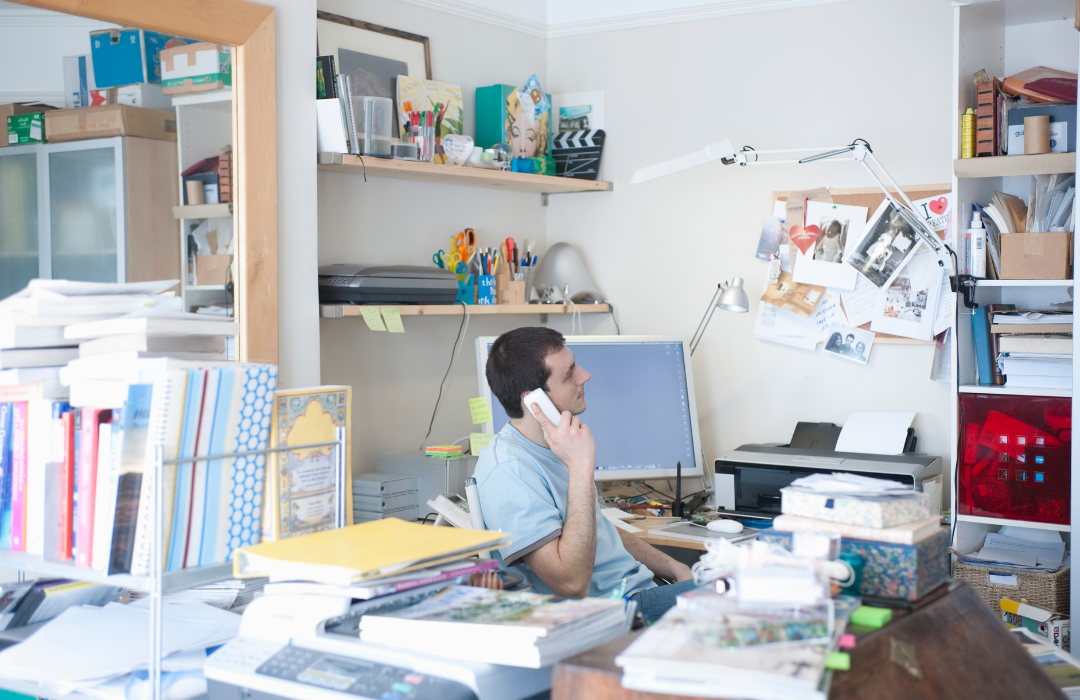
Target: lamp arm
[(705, 320)]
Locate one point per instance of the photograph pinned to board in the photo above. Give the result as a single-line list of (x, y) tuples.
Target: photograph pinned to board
[(773, 233), (908, 306), (886, 246), (820, 261), (373, 56), (774, 325), (849, 343), (799, 299), (936, 210), (444, 99)]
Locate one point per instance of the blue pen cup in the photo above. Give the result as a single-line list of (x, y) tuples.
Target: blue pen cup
[(486, 289), (466, 290)]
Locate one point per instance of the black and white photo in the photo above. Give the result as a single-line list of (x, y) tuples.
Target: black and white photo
[(887, 246), (849, 343), (835, 227)]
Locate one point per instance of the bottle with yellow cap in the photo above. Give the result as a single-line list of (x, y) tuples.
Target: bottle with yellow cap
[(967, 134)]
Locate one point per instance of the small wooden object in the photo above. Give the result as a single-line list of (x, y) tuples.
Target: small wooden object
[(986, 118), (1036, 135)]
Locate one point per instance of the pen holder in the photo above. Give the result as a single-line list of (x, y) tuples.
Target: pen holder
[(485, 290), (513, 293), (466, 289)]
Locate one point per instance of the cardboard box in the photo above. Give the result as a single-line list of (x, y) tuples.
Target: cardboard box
[(10, 110), (1053, 627), (905, 571), (139, 95), (78, 81), (1036, 256), (195, 68), (25, 128), (127, 56), (212, 269), (107, 121)]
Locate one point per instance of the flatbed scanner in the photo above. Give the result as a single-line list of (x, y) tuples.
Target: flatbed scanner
[(386, 284), (748, 479)]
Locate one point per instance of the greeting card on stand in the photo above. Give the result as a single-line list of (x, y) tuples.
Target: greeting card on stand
[(828, 230)]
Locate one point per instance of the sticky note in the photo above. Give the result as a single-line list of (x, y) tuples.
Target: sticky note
[(871, 617), (838, 661), (478, 441), (480, 409), (372, 318), (847, 641), (392, 316)]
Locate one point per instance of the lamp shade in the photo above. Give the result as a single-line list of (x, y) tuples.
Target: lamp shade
[(733, 298)]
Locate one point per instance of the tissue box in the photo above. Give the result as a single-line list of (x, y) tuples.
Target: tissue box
[(905, 571), (865, 512), (212, 269), (195, 68)]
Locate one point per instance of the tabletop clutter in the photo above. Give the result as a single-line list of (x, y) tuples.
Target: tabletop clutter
[(490, 275)]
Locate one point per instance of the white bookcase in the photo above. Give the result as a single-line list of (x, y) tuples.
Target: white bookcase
[(1003, 38)]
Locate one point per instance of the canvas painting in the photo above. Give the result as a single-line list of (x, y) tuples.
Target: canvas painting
[(444, 99), (301, 498)]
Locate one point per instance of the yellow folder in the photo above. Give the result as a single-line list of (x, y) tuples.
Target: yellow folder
[(362, 552)]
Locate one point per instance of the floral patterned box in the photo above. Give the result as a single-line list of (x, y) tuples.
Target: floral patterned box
[(907, 571), (855, 510)]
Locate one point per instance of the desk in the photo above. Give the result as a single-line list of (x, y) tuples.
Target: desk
[(652, 522), (962, 650)]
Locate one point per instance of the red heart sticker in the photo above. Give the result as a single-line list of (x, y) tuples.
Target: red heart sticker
[(803, 237), (938, 206)]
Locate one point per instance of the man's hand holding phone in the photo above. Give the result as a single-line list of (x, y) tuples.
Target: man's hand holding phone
[(571, 441)]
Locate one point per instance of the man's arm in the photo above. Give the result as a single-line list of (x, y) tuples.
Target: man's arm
[(566, 563), (659, 563)]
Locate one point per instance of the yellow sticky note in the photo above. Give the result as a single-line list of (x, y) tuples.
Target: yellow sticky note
[(392, 316), (372, 318), (480, 409), (478, 441)]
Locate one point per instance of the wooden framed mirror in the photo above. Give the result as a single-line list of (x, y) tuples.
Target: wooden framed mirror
[(249, 28)]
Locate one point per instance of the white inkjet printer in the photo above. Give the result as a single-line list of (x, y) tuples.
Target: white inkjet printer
[(748, 479), (307, 647), (386, 284)]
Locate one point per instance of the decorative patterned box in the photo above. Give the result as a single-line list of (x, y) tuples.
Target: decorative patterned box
[(855, 510), (907, 571)]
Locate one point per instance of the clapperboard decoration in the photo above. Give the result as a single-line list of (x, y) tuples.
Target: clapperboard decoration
[(577, 153)]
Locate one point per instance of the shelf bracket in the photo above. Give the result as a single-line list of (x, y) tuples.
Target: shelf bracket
[(543, 318), (544, 199)]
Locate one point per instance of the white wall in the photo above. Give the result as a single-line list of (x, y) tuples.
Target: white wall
[(395, 378), (820, 75)]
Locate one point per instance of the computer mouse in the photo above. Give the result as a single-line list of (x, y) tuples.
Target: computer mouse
[(729, 527)]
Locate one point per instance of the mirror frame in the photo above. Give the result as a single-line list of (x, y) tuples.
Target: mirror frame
[(249, 28)]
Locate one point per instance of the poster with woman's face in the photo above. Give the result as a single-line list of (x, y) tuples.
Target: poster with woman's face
[(526, 140)]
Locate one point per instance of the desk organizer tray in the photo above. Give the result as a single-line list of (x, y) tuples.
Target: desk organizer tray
[(855, 510), (1049, 590), (904, 571)]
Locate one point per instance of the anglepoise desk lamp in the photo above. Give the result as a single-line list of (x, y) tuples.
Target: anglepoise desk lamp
[(729, 296), (858, 151)]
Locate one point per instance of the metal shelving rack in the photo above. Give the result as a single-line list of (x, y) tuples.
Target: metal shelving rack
[(159, 582)]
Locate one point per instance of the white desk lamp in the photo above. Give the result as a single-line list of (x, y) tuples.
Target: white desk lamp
[(729, 296), (859, 151)]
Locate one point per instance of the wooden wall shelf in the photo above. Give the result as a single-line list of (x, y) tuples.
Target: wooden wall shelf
[(472, 177), (336, 311), (1002, 166)]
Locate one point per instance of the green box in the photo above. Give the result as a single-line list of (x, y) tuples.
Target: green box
[(26, 128), (491, 114)]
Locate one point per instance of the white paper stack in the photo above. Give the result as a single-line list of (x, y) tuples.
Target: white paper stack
[(1020, 549)]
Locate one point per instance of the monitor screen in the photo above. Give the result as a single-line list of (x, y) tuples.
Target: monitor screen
[(639, 404)]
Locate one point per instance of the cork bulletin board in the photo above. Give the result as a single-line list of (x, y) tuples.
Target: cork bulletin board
[(871, 198)]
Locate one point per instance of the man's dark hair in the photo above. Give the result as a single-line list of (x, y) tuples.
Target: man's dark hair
[(516, 364)]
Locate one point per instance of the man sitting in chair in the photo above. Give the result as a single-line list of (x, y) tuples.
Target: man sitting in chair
[(535, 482)]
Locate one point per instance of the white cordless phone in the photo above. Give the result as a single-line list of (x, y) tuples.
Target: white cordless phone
[(541, 398)]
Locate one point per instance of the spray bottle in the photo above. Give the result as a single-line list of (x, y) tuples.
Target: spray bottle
[(976, 245)]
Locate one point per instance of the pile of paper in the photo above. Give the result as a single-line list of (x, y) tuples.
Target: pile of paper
[(511, 628), (851, 485), (89, 646), (228, 594), (1020, 549)]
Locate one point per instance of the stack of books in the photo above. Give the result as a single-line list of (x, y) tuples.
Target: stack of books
[(77, 441), (1034, 348), (857, 507)]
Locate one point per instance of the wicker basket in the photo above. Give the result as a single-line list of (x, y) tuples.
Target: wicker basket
[(1049, 591)]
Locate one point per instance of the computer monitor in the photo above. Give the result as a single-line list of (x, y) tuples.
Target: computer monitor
[(639, 404)]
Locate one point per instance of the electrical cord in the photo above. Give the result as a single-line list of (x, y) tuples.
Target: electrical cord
[(454, 353), (614, 317)]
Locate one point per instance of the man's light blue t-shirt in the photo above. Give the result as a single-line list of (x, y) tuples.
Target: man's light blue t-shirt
[(523, 491)]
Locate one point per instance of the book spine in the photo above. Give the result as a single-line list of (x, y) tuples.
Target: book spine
[(38, 447), (110, 441), (132, 515), (52, 531), (980, 331), (352, 116), (217, 511), (84, 551), (444, 576), (5, 476), (182, 499), (76, 462), (67, 490), (18, 477), (198, 488)]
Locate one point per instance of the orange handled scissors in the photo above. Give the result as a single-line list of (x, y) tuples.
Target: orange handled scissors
[(465, 245)]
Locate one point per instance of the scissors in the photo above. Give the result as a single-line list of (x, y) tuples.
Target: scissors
[(439, 259), (465, 244)]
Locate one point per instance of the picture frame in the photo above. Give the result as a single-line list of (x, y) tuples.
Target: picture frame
[(373, 56)]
